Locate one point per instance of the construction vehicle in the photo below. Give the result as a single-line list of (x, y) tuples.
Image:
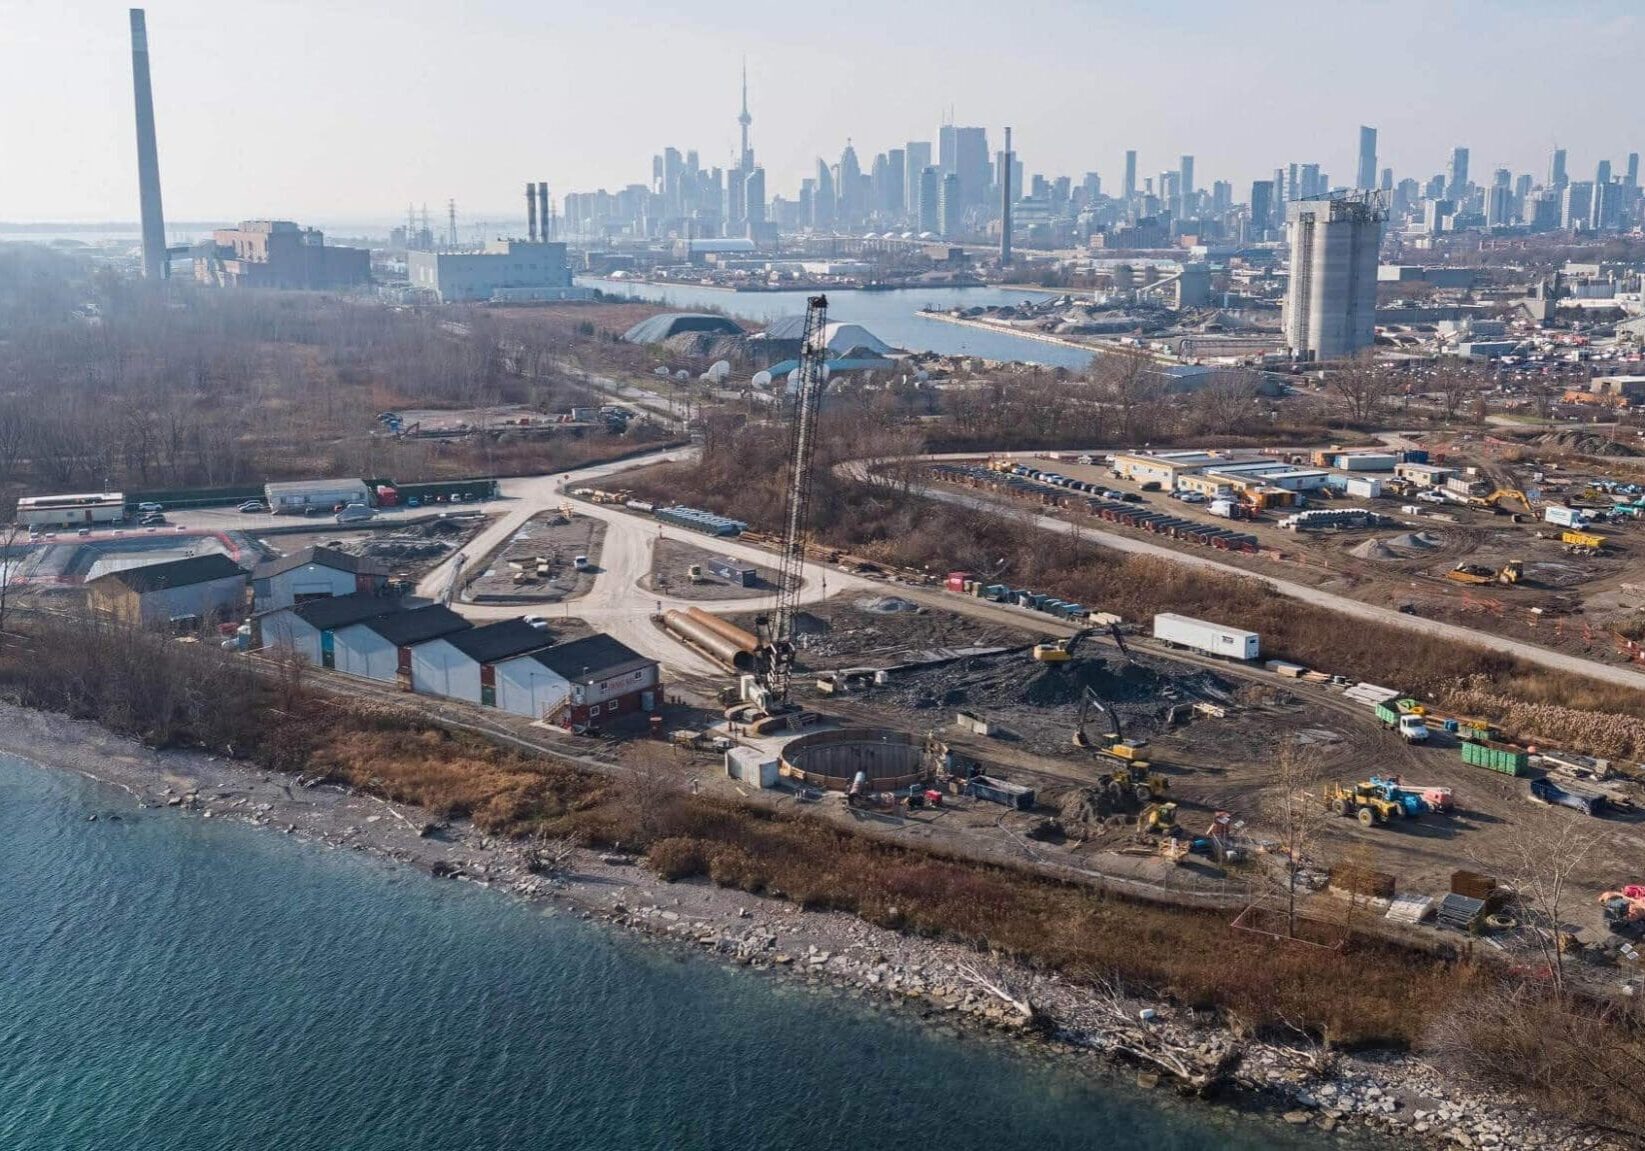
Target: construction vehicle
[(1364, 802), (1510, 573), (1411, 802), (1583, 543), (773, 657), (1130, 774), (1497, 498), (1404, 716), (1157, 818), (1060, 650)]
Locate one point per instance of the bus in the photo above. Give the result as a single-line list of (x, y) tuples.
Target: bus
[(72, 511)]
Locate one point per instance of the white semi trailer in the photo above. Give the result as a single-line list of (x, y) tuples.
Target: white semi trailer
[(1210, 638)]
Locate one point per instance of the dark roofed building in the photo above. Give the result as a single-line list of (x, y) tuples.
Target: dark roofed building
[(314, 573), (462, 665), (579, 684), (199, 588), (380, 647), (307, 628)]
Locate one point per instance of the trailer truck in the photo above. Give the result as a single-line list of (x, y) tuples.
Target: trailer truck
[(1203, 636)]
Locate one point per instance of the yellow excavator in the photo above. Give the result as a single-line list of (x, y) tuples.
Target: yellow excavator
[(1060, 650), (1130, 772)]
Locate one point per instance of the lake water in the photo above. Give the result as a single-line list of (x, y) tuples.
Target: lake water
[(893, 316), (184, 984)]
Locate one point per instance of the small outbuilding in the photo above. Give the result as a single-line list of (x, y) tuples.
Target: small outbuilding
[(656, 329), (198, 589)]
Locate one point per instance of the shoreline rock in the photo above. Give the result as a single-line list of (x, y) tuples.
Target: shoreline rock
[(944, 983)]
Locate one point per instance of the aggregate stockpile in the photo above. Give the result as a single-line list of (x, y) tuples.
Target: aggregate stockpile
[(707, 632)]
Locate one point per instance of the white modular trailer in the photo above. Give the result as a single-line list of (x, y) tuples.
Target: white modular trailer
[(71, 511), (297, 496), (1210, 638)]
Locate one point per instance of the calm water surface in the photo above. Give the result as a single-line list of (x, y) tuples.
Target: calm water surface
[(182, 984)]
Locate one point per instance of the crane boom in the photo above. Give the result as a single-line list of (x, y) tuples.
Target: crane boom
[(775, 664)]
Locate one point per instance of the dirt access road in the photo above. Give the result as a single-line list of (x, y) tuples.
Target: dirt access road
[(1342, 605)]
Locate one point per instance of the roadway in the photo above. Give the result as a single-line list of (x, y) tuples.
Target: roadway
[(1340, 604)]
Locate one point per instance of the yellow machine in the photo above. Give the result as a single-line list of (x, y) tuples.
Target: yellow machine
[(1157, 817), (1363, 802), (1130, 773), (1060, 650), (1584, 540), (1511, 573), (1497, 498)]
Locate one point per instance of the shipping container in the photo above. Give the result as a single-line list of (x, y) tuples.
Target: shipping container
[(733, 571), (1210, 638), (1499, 757), (1013, 795)]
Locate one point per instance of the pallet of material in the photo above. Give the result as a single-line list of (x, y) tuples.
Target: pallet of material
[(1460, 912), (1473, 884), (1369, 694), (1280, 667), (1410, 908)]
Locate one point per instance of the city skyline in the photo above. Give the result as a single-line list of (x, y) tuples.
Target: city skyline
[(447, 129)]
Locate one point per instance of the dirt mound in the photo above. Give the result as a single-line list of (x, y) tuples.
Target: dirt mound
[(888, 605), (1586, 443), (1373, 550), (1419, 541), (1055, 685)]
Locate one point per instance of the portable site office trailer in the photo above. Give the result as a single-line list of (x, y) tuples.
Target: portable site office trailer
[(1210, 638), (297, 496), (71, 511)]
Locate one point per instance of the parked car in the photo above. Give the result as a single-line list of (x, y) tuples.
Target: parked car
[(1430, 497), (147, 508), (153, 519), (355, 514), (1131, 498), (252, 507)]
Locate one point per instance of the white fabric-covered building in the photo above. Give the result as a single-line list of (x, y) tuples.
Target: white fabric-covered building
[(381, 648), (462, 665)]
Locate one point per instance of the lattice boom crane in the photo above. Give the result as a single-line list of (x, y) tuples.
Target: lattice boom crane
[(775, 663)]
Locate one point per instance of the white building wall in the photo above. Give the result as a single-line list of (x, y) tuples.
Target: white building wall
[(308, 580), (360, 651), (437, 668), (640, 680), (291, 632), (525, 687), (224, 598)]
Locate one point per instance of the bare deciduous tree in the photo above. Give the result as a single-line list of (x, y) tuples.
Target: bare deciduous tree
[(1362, 387), (1297, 813)]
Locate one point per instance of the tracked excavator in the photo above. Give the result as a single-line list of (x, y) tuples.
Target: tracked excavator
[(1130, 773)]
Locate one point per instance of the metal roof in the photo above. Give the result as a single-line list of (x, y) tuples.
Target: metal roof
[(591, 659), (495, 641), (330, 557), (176, 573), (404, 628), (332, 612)]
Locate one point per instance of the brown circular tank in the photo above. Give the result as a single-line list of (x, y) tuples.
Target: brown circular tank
[(888, 759)]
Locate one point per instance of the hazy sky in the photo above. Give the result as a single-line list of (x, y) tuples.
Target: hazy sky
[(345, 111)]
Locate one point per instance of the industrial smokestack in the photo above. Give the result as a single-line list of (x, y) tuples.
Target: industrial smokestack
[(530, 213), (542, 209), (1005, 204), (155, 264)]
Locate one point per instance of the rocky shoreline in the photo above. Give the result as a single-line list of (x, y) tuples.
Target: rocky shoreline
[(1376, 1096)]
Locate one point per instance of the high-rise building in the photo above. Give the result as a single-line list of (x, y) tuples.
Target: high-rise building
[(1498, 205), (895, 194), (822, 200), (1557, 179), (1262, 207), (950, 206), (1330, 303), (1367, 158), (1631, 176), (963, 152), (1456, 179), (928, 203), (1577, 206), (848, 189), (754, 197), (1185, 185), (916, 159), (156, 263), (1522, 187), (1387, 182), (1129, 188)]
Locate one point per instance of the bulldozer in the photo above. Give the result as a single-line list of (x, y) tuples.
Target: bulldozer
[(1364, 802), (1130, 773), (1510, 573)]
